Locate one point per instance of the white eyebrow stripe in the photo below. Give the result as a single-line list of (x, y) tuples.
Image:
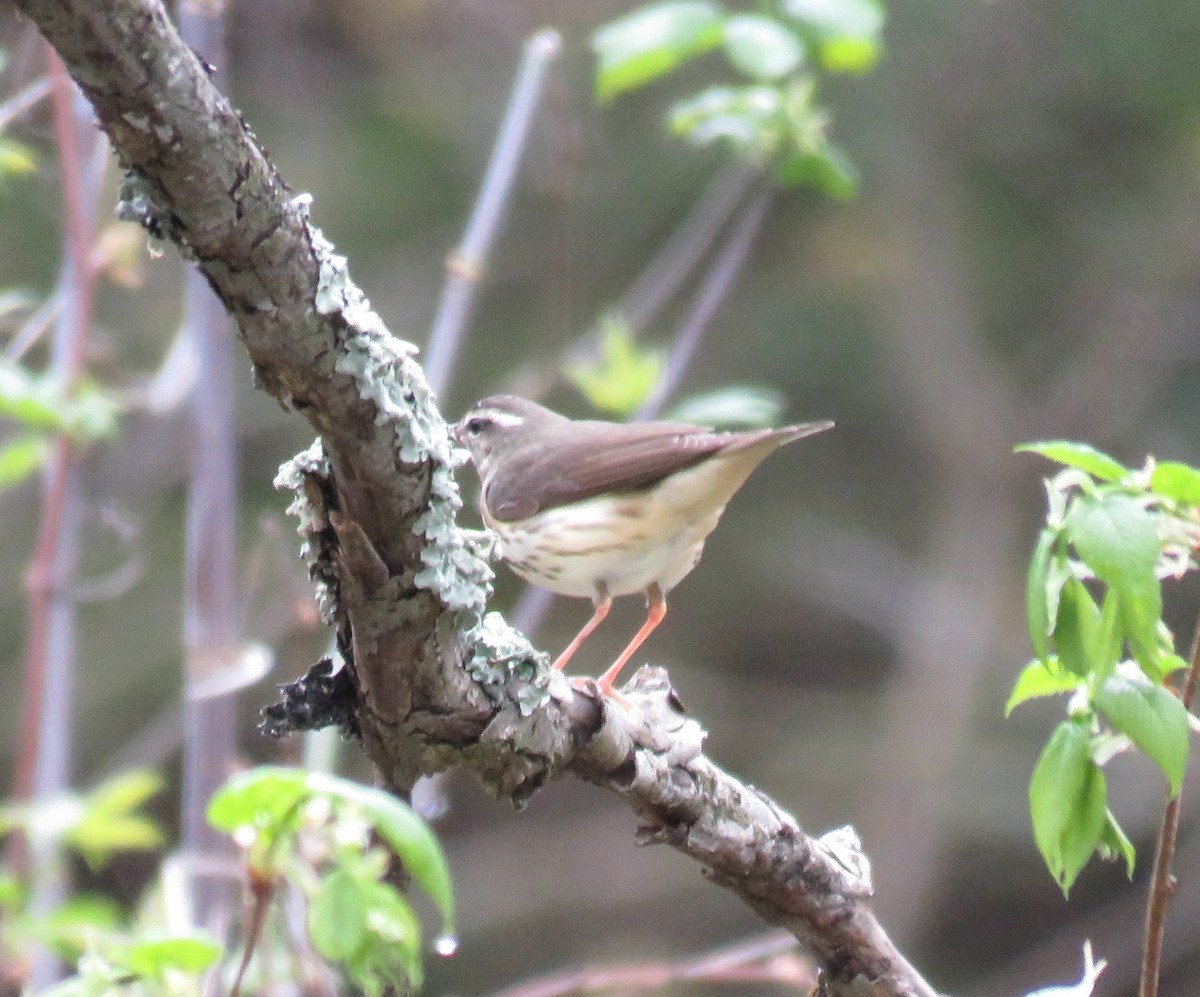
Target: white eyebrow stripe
[(506, 419)]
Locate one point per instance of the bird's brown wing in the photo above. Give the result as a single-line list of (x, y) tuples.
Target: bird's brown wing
[(593, 458)]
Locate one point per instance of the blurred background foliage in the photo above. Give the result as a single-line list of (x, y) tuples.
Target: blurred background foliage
[(1020, 263)]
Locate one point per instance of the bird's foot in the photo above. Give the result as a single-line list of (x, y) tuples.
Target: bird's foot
[(589, 687)]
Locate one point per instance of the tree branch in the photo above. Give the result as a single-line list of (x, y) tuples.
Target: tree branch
[(438, 683)]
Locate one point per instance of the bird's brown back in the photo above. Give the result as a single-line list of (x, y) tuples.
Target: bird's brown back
[(595, 458)]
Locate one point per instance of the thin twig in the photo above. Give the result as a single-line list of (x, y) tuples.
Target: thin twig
[(35, 326), (682, 253), (720, 277), (211, 596), (466, 266), (730, 962), (45, 576), (1162, 880), (658, 284), (44, 762), (531, 608), (24, 100)]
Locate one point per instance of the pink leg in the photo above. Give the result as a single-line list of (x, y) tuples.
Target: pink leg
[(656, 609), (603, 605)]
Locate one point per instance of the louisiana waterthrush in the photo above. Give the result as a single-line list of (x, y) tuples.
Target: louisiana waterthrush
[(602, 509)]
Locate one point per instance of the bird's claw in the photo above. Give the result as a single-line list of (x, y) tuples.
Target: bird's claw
[(590, 687)]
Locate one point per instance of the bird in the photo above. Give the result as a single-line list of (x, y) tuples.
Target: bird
[(598, 510)]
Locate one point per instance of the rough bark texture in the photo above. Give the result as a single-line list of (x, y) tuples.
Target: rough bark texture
[(439, 683)]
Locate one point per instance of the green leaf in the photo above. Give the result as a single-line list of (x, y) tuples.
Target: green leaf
[(337, 917), (123, 793), (850, 55), (740, 407), (72, 928), (16, 158), (38, 401), (652, 41), (828, 169), (623, 376), (1114, 535), (406, 834), (1177, 481), (1038, 596), (99, 837), (107, 821), (398, 932), (1038, 679), (1114, 843), (31, 399), (264, 800), (847, 31), (1168, 663), (1080, 455), (761, 47), (1067, 801), (1109, 640), (1077, 631), (13, 892), (21, 457), (155, 957), (1153, 719), (92, 414), (1118, 539)]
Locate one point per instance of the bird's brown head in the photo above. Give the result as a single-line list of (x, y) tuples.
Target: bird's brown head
[(501, 425)]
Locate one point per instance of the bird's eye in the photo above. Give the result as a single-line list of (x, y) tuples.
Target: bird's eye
[(476, 425)]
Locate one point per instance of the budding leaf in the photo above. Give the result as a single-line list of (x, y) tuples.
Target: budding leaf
[(1114, 843)]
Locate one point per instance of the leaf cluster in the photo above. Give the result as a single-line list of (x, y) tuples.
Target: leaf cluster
[(770, 114), (43, 409), (334, 840), (1094, 611), (97, 826)]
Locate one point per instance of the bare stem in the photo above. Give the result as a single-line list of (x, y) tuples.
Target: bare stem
[(211, 600), (682, 253), (44, 762), (755, 958), (717, 283), (656, 286), (466, 265), (44, 578), (23, 100), (1162, 880)]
